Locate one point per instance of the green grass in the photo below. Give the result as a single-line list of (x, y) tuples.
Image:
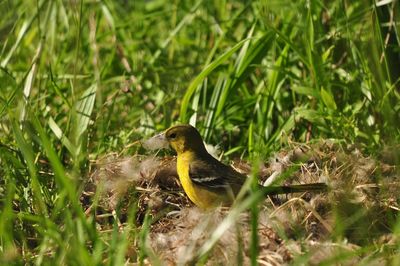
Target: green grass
[(80, 79)]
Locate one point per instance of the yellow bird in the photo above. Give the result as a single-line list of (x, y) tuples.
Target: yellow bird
[(206, 181)]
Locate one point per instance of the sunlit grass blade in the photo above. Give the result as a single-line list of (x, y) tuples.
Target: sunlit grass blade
[(29, 156), (206, 71)]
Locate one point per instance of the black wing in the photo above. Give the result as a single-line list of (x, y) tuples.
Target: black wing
[(214, 175)]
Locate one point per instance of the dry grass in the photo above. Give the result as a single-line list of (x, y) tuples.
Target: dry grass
[(359, 209)]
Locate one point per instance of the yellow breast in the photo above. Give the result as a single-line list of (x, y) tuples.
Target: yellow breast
[(203, 198)]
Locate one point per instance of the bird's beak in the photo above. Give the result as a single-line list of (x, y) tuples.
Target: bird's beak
[(159, 141)]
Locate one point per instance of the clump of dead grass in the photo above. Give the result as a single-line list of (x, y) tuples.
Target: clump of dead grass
[(191, 228), (360, 207)]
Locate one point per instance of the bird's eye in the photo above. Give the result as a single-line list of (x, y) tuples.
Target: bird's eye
[(172, 136)]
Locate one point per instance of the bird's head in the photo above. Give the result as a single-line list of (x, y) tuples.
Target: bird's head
[(184, 138), (181, 138)]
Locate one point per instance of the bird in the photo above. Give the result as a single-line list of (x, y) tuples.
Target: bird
[(206, 181)]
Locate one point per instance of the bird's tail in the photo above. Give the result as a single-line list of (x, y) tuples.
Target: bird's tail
[(313, 187)]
